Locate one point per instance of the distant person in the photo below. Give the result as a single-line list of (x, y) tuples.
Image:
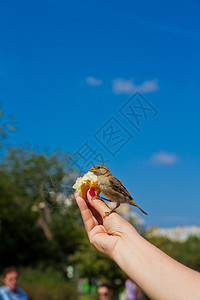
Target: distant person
[(104, 291), (131, 290), (10, 291)]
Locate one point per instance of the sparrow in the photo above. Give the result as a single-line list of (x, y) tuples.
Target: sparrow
[(112, 188)]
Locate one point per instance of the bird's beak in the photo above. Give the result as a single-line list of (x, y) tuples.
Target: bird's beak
[(92, 169)]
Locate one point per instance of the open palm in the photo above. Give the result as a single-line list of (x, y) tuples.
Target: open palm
[(103, 233)]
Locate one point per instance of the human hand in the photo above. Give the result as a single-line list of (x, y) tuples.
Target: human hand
[(104, 233), (145, 264)]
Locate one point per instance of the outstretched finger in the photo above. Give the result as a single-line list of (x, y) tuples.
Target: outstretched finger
[(87, 216), (111, 222), (97, 204)]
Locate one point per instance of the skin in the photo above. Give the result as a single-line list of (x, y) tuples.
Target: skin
[(10, 280), (157, 274), (104, 293)]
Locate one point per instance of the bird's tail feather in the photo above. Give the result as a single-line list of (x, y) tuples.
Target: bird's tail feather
[(144, 212), (134, 204)]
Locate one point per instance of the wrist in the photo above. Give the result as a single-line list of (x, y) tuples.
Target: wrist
[(125, 246)]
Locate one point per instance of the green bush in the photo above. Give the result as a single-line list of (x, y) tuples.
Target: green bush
[(46, 285)]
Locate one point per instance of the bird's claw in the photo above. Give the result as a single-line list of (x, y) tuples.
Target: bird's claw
[(96, 197), (107, 213)]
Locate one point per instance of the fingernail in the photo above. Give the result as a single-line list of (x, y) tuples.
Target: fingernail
[(91, 192)]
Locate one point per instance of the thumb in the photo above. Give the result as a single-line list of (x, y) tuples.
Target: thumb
[(100, 206), (114, 223)]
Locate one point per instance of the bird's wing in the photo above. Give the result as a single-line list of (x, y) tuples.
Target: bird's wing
[(118, 186)]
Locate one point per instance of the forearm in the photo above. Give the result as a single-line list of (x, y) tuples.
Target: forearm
[(158, 275)]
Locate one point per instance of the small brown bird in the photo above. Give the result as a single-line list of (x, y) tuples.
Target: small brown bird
[(112, 188)]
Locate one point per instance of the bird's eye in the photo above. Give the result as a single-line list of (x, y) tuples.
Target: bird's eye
[(98, 167)]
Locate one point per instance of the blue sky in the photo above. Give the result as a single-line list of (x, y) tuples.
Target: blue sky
[(66, 70)]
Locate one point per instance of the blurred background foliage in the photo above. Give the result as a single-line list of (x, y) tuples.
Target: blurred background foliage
[(41, 229), (46, 285), (187, 252)]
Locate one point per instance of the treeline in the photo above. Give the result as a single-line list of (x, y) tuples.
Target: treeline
[(41, 227), (186, 252), (40, 222)]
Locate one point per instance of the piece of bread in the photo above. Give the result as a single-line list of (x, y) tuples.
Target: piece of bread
[(83, 184)]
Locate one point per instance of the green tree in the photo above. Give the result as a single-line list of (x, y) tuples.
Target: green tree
[(187, 252), (6, 125), (40, 222)]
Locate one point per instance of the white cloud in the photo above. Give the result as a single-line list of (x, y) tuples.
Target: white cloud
[(122, 86), (164, 158), (93, 81)]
